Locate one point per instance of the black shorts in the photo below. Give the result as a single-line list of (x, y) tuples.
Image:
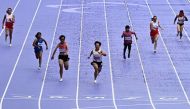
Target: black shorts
[(65, 58), (180, 24), (98, 63)]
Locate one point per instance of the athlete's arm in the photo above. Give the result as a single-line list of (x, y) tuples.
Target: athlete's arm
[(122, 35), (159, 25), (175, 19), (3, 21), (103, 53), (13, 19), (151, 26), (52, 57), (34, 43), (46, 44), (135, 35), (90, 54), (186, 19), (67, 50)]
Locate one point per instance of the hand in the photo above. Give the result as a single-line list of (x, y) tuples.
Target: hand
[(136, 38), (89, 57), (52, 57), (46, 47), (2, 27)]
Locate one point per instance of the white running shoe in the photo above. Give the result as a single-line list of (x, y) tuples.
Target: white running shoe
[(10, 45), (95, 81), (61, 80)]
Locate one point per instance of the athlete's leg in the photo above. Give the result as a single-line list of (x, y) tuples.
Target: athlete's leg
[(96, 70), (61, 68), (124, 51), (10, 35), (129, 50), (181, 30), (6, 33)]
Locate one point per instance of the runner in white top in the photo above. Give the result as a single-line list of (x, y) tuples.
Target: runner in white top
[(180, 23), (8, 23), (97, 59), (154, 32)]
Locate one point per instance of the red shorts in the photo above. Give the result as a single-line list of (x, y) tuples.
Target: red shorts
[(153, 33), (9, 25)]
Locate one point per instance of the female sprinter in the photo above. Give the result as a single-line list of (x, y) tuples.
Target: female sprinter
[(8, 22), (63, 55), (127, 35), (97, 59), (180, 23), (38, 49), (154, 32)]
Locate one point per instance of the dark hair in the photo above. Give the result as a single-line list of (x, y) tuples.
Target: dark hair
[(153, 18), (181, 13), (8, 9), (97, 42), (38, 33), (127, 27), (61, 36)]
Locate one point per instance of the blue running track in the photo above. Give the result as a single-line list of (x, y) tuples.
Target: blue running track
[(145, 81)]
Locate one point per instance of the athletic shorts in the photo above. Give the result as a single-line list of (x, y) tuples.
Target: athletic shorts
[(9, 25), (153, 33), (38, 49), (180, 24), (65, 58), (98, 63)]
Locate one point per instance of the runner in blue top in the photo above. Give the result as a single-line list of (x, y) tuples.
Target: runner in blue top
[(38, 49)]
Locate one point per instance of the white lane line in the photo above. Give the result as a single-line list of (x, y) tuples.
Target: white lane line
[(177, 75), (79, 57), (140, 59), (133, 105), (175, 15), (49, 56), (18, 58), (13, 12), (109, 56)]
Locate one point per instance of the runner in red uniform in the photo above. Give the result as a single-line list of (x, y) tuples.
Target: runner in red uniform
[(8, 23), (127, 35), (154, 32), (63, 55)]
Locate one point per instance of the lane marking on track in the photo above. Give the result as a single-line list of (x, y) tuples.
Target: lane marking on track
[(95, 97), (175, 15), (58, 97), (171, 61), (109, 55), (131, 98), (72, 10), (22, 97), (132, 105), (13, 13), (79, 54), (49, 55), (18, 58), (169, 98), (140, 59)]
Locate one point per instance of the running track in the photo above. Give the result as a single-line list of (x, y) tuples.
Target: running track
[(146, 81)]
